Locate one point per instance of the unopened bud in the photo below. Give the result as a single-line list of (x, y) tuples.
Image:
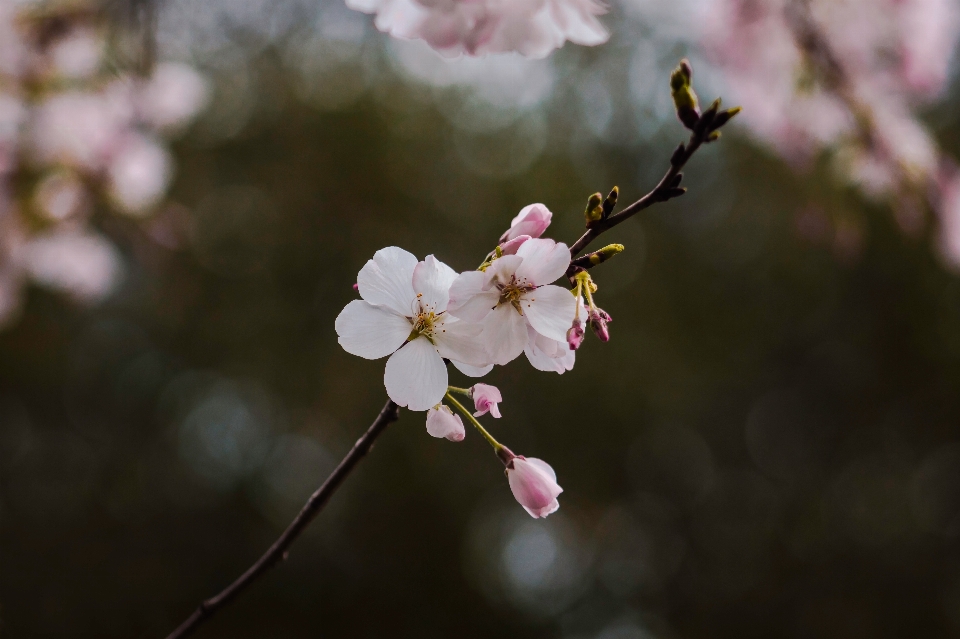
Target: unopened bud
[(724, 116), (604, 254), (684, 98), (599, 319), (575, 335), (594, 210), (610, 202)]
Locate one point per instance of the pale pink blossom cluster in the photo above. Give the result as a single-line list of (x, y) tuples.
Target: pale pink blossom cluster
[(422, 315), (843, 76), (75, 135), (532, 28)]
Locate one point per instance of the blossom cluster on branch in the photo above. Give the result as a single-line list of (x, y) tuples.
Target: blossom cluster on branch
[(77, 136), (421, 313)]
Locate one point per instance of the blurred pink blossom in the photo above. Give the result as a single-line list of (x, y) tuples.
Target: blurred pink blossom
[(83, 264), (139, 174), (532, 28), (72, 131)]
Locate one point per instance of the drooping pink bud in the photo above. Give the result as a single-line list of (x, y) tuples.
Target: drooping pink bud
[(441, 422), (485, 399), (598, 319), (534, 485), (510, 246), (575, 334), (356, 287), (532, 220)]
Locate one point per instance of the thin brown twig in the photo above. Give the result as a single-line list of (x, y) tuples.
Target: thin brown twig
[(667, 189), (278, 551)]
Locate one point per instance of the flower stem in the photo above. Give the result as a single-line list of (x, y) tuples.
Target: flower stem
[(462, 391), (497, 446)]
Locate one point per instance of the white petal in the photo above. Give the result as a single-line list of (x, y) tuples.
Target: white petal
[(416, 376), (544, 261), (548, 355), (442, 423), (460, 341), (503, 269), (544, 467), (504, 334), (387, 280), (468, 300), (370, 331), (550, 311), (543, 512), (431, 282), (472, 371)]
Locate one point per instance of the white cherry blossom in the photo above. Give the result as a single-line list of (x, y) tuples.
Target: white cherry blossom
[(403, 315), (514, 295), (532, 28)]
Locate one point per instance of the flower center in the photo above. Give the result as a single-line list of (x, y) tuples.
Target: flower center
[(513, 292), (423, 322)]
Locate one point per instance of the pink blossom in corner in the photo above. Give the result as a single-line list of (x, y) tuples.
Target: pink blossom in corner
[(442, 423), (534, 485), (532, 28), (532, 220), (485, 399)]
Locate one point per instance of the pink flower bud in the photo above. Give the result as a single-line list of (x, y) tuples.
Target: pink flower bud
[(532, 220), (510, 246), (485, 398), (534, 485), (441, 422), (598, 319), (575, 334), (356, 287)]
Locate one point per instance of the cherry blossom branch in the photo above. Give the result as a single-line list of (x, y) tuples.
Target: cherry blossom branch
[(278, 551), (704, 128)]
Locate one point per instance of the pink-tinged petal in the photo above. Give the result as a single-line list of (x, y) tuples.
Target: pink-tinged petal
[(431, 282), (532, 220), (550, 311), (472, 371), (387, 280), (415, 376), (534, 484), (502, 270), (544, 261), (370, 331), (485, 400), (510, 246), (468, 299), (442, 423), (548, 355), (504, 334), (459, 341)]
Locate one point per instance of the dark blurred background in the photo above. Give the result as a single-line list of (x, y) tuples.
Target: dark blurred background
[(769, 445)]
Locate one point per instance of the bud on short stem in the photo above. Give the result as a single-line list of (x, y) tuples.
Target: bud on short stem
[(594, 210)]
